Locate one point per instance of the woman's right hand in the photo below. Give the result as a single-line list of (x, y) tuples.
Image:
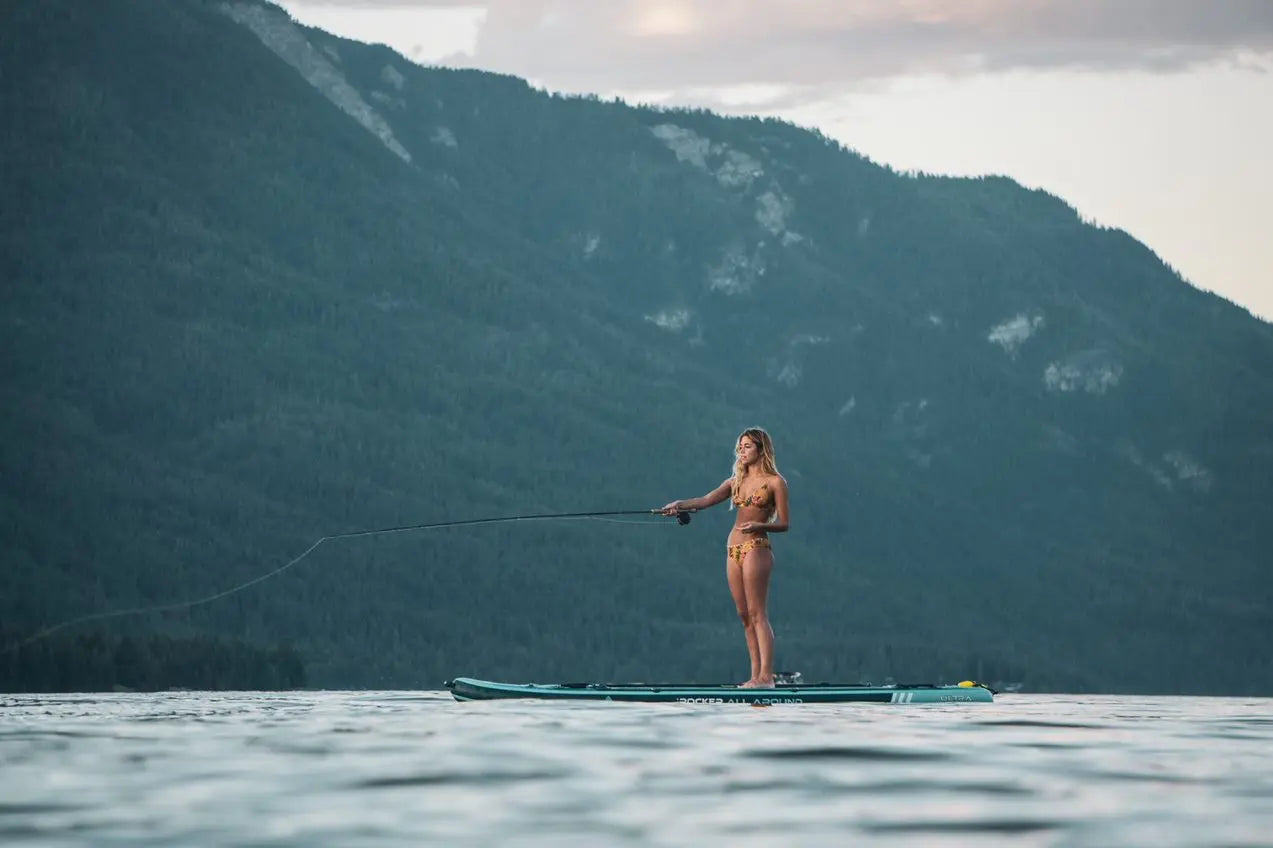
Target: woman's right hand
[(673, 508)]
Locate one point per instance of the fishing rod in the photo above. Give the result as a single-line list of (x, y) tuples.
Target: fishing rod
[(682, 518)]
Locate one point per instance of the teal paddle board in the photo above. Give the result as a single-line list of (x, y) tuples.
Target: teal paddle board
[(469, 689)]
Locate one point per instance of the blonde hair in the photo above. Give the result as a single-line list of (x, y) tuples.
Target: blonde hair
[(766, 460)]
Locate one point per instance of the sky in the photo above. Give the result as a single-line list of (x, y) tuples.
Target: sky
[(1153, 116)]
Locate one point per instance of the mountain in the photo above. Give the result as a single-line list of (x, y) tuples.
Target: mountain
[(266, 285)]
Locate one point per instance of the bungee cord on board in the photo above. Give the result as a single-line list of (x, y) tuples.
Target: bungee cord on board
[(682, 518)]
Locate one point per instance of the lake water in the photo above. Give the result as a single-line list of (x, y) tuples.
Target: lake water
[(416, 768)]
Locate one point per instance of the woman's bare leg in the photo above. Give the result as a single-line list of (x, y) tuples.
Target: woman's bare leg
[(757, 565), (734, 574)]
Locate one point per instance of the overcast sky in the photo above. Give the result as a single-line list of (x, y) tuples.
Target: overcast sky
[(1155, 116)]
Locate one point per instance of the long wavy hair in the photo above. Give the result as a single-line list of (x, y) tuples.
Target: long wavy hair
[(766, 460)]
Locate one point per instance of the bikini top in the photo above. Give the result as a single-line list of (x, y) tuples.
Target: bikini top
[(761, 496)]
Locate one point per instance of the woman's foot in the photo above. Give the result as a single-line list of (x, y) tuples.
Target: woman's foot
[(763, 683)]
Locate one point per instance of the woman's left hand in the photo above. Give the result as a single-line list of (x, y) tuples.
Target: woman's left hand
[(751, 527)]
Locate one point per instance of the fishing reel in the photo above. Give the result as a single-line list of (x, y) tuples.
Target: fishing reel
[(682, 518)]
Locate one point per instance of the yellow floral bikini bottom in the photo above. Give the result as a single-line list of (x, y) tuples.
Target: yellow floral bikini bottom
[(737, 552)]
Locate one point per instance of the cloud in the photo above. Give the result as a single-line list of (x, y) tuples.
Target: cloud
[(815, 45)]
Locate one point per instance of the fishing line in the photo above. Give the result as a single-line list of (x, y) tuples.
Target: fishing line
[(682, 518)]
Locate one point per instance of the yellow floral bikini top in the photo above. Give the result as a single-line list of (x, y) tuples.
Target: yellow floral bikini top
[(761, 496)]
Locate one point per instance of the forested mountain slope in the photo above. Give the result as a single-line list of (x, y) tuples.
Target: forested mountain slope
[(263, 285)]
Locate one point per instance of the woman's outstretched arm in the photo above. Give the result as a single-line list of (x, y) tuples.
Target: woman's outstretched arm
[(712, 498)]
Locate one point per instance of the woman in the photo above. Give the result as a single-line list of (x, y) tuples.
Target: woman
[(760, 494)]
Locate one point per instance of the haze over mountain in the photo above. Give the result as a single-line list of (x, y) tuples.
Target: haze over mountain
[(266, 285)]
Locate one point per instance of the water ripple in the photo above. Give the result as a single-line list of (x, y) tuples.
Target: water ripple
[(1037, 723), (973, 826), (407, 769), (843, 753), (456, 778), (26, 809)]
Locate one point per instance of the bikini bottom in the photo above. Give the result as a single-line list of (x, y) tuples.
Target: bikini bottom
[(737, 552)]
